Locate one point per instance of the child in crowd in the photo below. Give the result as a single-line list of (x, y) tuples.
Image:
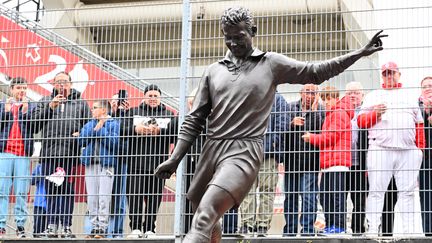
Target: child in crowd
[(39, 208), (334, 143), (100, 137)]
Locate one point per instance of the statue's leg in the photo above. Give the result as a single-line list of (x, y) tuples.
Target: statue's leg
[(216, 236), (205, 226)]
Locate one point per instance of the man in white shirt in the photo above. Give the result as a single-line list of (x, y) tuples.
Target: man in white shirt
[(396, 136)]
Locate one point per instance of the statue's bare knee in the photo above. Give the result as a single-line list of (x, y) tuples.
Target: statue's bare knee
[(204, 220)]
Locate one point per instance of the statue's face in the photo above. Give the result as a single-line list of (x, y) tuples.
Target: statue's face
[(238, 39)]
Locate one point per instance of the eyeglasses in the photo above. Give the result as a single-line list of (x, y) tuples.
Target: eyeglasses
[(61, 81), (96, 107), (309, 92)]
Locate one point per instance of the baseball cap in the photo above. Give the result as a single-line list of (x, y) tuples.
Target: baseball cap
[(389, 66), (152, 87)]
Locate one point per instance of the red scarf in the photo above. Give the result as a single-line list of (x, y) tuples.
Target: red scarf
[(397, 85)]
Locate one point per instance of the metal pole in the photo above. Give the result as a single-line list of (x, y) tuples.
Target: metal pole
[(184, 71)]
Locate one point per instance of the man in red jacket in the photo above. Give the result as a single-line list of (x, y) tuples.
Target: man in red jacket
[(396, 137), (334, 143)]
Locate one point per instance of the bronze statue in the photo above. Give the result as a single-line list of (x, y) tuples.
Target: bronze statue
[(236, 96)]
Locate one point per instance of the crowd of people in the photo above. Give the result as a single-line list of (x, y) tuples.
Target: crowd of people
[(119, 146), (330, 145)]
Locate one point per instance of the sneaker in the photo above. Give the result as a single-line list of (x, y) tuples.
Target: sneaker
[(2, 233), (135, 234), (100, 234), (92, 234), (261, 231), (371, 235), (333, 230), (149, 234), (51, 231), (20, 231), (67, 233), (245, 230)]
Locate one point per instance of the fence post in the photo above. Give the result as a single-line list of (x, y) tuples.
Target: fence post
[(184, 71)]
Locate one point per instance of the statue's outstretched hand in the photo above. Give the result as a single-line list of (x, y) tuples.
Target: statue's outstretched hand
[(375, 44), (166, 169)]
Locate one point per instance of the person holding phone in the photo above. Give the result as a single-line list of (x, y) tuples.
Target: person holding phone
[(16, 146), (302, 162), (60, 116), (119, 109)]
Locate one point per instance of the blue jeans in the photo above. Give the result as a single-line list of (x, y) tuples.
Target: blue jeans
[(118, 201), (333, 198), (304, 185), (14, 169)]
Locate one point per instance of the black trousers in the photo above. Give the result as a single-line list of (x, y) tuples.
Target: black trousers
[(144, 187), (60, 199), (189, 170), (358, 186)]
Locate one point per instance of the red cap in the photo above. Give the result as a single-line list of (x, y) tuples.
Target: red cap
[(390, 66)]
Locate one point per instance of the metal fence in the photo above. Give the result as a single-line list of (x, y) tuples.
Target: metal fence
[(68, 170)]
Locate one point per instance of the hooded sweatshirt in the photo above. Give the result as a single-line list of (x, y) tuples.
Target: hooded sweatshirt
[(335, 140)]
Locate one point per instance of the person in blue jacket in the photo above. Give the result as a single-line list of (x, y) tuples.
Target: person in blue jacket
[(39, 205), (16, 147), (100, 137)]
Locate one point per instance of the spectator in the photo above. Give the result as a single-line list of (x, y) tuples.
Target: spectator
[(149, 146), (236, 95), (257, 217), (335, 158), (60, 117), (119, 109), (426, 168), (16, 146), (396, 136), (357, 180), (302, 162), (100, 137), (39, 205), (356, 177)]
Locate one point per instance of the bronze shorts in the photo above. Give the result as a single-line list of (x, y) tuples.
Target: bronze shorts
[(231, 164)]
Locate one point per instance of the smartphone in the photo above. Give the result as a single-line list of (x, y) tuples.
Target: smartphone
[(60, 92), (122, 96)]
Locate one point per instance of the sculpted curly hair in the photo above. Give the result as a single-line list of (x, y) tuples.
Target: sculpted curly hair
[(236, 15)]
